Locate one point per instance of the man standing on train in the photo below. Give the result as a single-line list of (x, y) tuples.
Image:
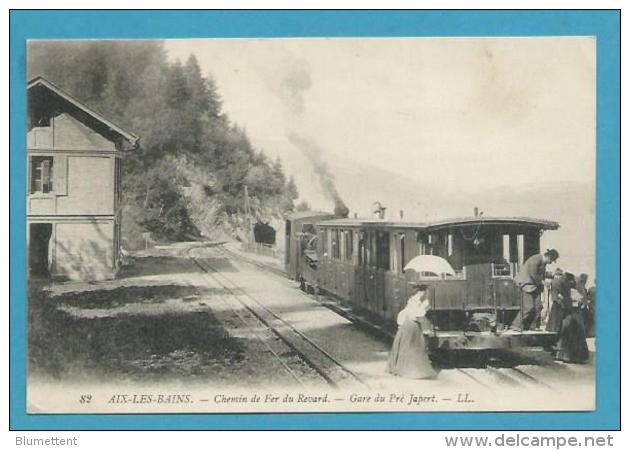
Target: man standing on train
[(530, 280)]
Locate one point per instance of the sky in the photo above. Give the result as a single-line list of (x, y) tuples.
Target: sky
[(475, 121), (467, 113)]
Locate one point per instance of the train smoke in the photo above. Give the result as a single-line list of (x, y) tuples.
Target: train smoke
[(291, 79), (326, 179), (289, 82)]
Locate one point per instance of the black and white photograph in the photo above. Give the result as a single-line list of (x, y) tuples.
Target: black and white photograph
[(311, 225)]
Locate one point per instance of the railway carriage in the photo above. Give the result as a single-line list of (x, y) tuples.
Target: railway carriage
[(300, 228), (362, 262)]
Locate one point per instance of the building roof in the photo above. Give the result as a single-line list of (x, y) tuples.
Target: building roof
[(446, 223), (41, 81)]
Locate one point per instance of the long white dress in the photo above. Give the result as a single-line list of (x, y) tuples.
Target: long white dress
[(408, 357)]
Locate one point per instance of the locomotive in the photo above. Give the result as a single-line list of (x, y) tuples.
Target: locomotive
[(366, 264)]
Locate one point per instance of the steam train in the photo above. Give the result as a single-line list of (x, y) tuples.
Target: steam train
[(362, 262)]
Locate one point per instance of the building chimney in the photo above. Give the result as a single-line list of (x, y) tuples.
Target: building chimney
[(476, 211)]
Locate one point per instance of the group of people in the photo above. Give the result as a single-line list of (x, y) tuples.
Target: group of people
[(570, 308), (570, 316)]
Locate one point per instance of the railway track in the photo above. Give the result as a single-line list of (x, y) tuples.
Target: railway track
[(472, 377), (262, 266), (362, 322), (313, 355), (512, 376)]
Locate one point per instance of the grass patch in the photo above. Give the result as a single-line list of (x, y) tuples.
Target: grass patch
[(137, 347)]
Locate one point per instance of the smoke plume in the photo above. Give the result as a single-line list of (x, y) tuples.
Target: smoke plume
[(289, 81), (326, 179)]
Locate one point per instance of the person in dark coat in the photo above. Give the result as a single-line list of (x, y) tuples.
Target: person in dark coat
[(580, 286), (561, 304), (530, 280), (566, 320), (586, 305), (590, 302), (408, 357), (572, 346)]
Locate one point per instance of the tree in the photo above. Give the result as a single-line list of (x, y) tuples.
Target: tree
[(177, 112), (289, 196), (278, 175), (303, 206)]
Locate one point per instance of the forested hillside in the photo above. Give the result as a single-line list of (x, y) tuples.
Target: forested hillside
[(189, 175)]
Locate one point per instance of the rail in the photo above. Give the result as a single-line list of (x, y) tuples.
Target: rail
[(262, 249), (329, 368), (500, 367)]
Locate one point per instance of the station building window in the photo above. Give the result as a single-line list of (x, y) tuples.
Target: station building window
[(41, 174)]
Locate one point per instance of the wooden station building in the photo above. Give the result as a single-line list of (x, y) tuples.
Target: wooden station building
[(73, 186)]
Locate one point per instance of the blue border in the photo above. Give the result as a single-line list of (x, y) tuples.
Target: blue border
[(605, 25)]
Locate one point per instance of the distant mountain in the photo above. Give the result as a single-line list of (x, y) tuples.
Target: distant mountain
[(420, 199), (572, 204)]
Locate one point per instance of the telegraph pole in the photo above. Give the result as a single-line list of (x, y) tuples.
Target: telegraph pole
[(248, 213)]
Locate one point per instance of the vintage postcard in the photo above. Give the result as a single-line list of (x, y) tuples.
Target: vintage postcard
[(311, 225)]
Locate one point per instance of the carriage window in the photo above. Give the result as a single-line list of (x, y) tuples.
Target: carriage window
[(438, 244), (532, 243), (393, 249), (382, 251), (503, 268), (325, 241), (520, 240), (506, 248), (342, 245), (335, 244), (349, 246), (371, 250), (361, 255), (422, 245), (402, 252), (432, 244)]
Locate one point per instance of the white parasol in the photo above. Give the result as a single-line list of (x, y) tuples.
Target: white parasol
[(430, 263)]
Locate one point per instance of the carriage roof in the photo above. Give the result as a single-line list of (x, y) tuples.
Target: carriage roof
[(309, 214), (541, 224)]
